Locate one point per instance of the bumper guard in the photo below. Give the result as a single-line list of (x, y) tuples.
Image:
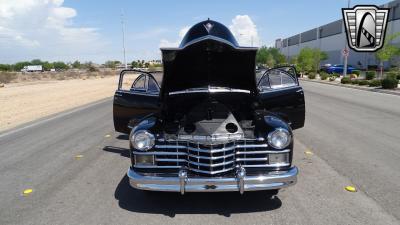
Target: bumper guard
[(241, 182)]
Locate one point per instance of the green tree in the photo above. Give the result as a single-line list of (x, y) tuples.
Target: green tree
[(262, 55), (293, 60), (140, 63), (388, 51), (5, 67), (110, 64), (270, 61), (47, 66), (305, 59), (269, 56), (76, 64), (318, 57), (19, 65), (309, 59), (60, 65), (36, 62), (90, 66), (280, 59), (135, 64)]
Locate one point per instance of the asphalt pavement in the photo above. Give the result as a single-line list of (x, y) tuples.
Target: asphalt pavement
[(76, 166), (358, 134)]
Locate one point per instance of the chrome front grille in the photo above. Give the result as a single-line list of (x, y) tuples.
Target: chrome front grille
[(210, 158)]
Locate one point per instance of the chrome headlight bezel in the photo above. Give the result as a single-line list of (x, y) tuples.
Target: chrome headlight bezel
[(142, 134), (281, 131)]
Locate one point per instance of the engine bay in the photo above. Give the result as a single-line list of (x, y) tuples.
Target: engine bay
[(210, 120)]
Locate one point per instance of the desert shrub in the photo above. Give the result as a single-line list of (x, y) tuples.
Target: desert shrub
[(389, 83), (71, 74), (53, 76), (36, 76), (323, 75), (353, 76), (392, 75), (61, 77), (369, 75), (92, 68), (336, 75), (345, 80), (356, 72), (7, 77), (92, 74), (311, 76), (374, 83), (354, 81), (332, 78), (363, 82), (107, 72)]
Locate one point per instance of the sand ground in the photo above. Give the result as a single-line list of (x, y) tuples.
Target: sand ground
[(24, 102)]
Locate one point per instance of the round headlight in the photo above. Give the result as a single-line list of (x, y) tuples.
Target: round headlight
[(279, 138), (142, 140)]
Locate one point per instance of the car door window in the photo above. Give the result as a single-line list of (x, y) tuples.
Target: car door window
[(152, 85), (134, 81), (276, 79), (140, 83)]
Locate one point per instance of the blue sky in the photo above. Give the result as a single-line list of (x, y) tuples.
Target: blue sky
[(91, 30)]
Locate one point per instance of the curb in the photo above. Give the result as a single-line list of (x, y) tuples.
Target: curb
[(377, 90)]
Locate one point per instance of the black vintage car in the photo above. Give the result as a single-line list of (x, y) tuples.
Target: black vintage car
[(210, 126)]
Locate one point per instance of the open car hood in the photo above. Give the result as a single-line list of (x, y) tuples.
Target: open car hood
[(208, 56)]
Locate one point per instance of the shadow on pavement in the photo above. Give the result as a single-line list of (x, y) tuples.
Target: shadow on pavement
[(170, 204), (122, 151), (123, 137)]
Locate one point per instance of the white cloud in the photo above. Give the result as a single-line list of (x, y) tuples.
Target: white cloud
[(245, 31), (43, 29), (164, 43)]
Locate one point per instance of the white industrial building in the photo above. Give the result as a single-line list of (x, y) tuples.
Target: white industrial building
[(331, 38)]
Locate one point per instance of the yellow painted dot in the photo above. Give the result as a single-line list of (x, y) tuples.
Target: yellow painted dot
[(27, 192), (350, 188), (78, 156), (308, 153), (107, 136)]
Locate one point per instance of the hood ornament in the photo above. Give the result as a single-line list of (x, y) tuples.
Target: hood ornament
[(208, 26)]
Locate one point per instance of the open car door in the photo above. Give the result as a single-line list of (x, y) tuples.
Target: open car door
[(281, 94), (136, 97)]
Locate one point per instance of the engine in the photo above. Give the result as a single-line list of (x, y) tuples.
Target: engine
[(210, 121)]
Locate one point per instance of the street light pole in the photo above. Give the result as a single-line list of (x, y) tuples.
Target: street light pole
[(345, 51), (123, 37)]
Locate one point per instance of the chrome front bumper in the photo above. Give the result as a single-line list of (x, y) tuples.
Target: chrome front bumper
[(241, 182)]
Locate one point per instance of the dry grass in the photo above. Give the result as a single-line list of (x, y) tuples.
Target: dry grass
[(16, 77), (26, 101), (7, 77)]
